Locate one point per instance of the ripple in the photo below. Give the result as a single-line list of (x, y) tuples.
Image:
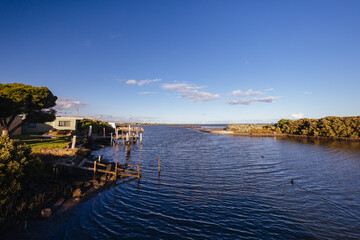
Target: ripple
[(222, 187)]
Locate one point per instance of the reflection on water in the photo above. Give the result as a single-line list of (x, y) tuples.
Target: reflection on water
[(223, 187), (353, 146)]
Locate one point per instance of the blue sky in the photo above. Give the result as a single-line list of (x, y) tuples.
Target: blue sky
[(187, 61)]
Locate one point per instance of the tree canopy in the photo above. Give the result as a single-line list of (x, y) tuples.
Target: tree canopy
[(333, 127), (34, 103)]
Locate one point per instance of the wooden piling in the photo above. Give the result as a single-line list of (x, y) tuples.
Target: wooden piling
[(138, 170), (73, 142), (94, 168), (116, 169), (159, 164), (90, 131)]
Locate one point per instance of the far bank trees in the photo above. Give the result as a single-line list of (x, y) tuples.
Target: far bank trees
[(34, 103), (332, 127)]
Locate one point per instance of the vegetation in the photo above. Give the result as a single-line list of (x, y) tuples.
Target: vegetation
[(333, 127), (97, 127), (51, 143), (251, 128), (17, 167), (34, 103)]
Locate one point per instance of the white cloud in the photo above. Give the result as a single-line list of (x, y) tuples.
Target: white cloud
[(131, 82), (145, 93), (174, 87), (307, 93), (148, 81), (248, 101), (249, 92), (66, 103), (269, 89), (297, 115), (190, 91), (142, 82)]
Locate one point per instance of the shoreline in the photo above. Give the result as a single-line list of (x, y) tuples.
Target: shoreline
[(219, 131), (33, 225)]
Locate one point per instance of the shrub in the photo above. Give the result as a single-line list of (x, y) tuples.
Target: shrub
[(332, 127), (17, 167), (97, 127)]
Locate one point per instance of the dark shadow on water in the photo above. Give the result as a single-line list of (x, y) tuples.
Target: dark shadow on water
[(352, 146)]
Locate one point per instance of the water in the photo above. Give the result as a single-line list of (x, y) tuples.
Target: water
[(221, 187)]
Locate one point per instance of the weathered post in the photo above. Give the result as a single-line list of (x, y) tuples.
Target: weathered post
[(73, 142), (90, 131), (111, 139), (159, 164), (104, 133), (128, 147), (94, 168), (116, 169), (138, 170), (140, 138)]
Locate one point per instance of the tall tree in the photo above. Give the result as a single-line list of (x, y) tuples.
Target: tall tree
[(34, 103)]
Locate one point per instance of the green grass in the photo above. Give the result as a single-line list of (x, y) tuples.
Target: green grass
[(52, 143)]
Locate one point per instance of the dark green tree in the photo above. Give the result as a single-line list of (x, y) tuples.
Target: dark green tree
[(34, 103), (332, 127)]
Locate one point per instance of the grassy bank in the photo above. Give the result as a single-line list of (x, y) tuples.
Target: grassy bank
[(38, 144), (251, 128)]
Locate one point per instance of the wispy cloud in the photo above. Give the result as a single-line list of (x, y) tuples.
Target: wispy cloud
[(248, 101), (66, 103), (307, 93), (297, 115), (249, 92), (126, 119), (190, 92), (146, 93), (142, 82)]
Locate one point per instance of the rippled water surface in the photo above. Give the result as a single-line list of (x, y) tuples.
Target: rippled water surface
[(221, 187)]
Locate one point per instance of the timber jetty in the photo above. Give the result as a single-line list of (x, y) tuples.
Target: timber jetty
[(111, 171), (127, 135)]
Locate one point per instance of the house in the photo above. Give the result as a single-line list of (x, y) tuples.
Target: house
[(60, 123)]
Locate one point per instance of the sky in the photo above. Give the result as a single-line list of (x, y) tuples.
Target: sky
[(187, 61)]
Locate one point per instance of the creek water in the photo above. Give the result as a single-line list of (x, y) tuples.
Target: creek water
[(222, 187)]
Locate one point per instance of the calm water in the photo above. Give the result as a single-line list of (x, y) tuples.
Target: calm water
[(220, 187)]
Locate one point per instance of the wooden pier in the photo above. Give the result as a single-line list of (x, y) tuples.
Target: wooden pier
[(111, 170), (127, 135)]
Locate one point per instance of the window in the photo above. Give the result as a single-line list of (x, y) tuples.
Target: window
[(31, 125), (64, 123)]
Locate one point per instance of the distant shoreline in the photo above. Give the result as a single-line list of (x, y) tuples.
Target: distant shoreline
[(220, 131)]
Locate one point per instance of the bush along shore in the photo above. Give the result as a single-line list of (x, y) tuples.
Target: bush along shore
[(30, 186), (337, 128), (328, 127)]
